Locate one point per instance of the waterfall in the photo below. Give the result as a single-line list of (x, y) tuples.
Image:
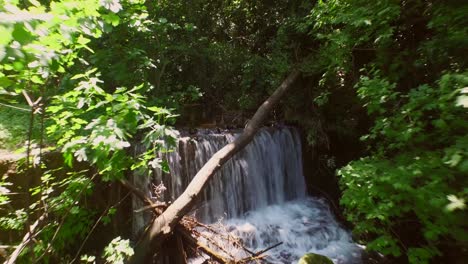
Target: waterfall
[(267, 171), (260, 194)]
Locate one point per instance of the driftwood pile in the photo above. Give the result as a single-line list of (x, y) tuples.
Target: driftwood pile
[(192, 237)]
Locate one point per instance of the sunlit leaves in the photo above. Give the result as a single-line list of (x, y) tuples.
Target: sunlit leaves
[(88, 259), (5, 36), (118, 251), (42, 42), (92, 125), (455, 203), (4, 193), (112, 5), (90, 122), (14, 220)]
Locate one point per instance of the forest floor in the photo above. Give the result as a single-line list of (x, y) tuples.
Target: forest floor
[(8, 155)]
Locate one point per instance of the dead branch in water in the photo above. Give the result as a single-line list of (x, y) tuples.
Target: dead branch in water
[(182, 230)]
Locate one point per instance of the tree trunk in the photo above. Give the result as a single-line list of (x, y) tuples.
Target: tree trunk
[(164, 224)]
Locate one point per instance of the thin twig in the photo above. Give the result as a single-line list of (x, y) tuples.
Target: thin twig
[(259, 255), (28, 154), (30, 102), (26, 239), (7, 246), (269, 248), (42, 107), (28, 146), (148, 207), (95, 225), (200, 246), (141, 195), (16, 107), (214, 243)]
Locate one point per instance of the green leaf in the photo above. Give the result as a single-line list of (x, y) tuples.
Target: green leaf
[(112, 19), (18, 65), (5, 82), (21, 35), (8, 67), (78, 76), (5, 36), (36, 79), (82, 40)]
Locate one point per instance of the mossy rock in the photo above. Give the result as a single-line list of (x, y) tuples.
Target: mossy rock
[(311, 258)]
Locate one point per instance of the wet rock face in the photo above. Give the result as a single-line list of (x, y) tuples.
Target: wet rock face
[(312, 258)]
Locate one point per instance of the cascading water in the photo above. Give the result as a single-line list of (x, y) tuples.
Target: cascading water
[(268, 171), (261, 194)]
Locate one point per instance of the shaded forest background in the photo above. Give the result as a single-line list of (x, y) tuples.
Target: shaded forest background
[(382, 104)]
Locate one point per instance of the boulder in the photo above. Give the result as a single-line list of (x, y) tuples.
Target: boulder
[(312, 258)]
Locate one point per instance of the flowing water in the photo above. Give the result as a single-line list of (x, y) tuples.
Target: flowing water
[(260, 194)]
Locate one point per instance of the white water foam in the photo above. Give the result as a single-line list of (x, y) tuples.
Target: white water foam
[(305, 225)]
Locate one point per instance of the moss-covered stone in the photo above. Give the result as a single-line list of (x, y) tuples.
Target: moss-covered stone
[(311, 258)]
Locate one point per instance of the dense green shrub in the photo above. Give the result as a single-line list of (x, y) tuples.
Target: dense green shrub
[(404, 60), (417, 171)]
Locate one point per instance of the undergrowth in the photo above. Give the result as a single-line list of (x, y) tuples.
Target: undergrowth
[(14, 125)]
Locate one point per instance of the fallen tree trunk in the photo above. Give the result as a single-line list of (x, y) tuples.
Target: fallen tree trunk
[(182, 231), (163, 225)]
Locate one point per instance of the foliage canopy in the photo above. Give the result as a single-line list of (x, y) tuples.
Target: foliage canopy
[(103, 77)]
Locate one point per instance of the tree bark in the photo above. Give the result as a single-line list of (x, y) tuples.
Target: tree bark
[(163, 225), (181, 230)]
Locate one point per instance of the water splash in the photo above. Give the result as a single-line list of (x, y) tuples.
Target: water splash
[(305, 225)]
